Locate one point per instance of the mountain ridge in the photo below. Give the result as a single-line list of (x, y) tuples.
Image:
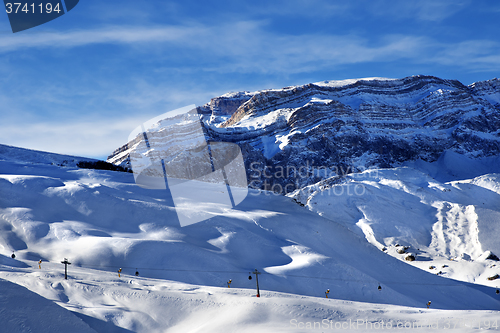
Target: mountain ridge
[(346, 125)]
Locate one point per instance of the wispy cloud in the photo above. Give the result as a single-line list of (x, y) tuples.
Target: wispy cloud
[(423, 10), (83, 91), (301, 8), (249, 47), (57, 119), (91, 138), (475, 55), (112, 35)]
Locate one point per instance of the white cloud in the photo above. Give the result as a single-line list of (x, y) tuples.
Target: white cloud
[(432, 10), (249, 47), (89, 138), (121, 35), (423, 10), (302, 8), (475, 55)]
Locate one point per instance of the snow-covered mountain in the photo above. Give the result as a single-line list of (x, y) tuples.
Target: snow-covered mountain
[(313, 142), (30, 156), (297, 136), (101, 221), (384, 192)]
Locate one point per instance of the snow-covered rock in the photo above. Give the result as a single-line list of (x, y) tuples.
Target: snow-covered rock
[(297, 136)]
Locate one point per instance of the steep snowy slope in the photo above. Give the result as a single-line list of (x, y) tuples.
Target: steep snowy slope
[(448, 227)]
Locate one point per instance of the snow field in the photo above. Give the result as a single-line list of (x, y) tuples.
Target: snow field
[(454, 221), (101, 221), (106, 303)]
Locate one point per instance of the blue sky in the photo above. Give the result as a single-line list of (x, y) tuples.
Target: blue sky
[(81, 83)]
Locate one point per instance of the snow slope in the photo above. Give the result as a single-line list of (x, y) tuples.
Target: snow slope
[(447, 226), (137, 304), (10, 153), (22, 310), (101, 221)]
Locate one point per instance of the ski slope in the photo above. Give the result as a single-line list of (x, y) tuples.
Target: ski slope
[(101, 221), (99, 301)]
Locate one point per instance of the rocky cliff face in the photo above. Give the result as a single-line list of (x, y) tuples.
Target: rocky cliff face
[(296, 136)]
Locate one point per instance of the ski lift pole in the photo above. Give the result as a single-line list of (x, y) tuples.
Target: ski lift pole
[(66, 263), (256, 272)]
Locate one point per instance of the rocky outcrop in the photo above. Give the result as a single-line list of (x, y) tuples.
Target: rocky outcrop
[(296, 136)]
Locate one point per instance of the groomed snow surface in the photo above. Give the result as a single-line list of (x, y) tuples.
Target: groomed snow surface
[(101, 221)]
